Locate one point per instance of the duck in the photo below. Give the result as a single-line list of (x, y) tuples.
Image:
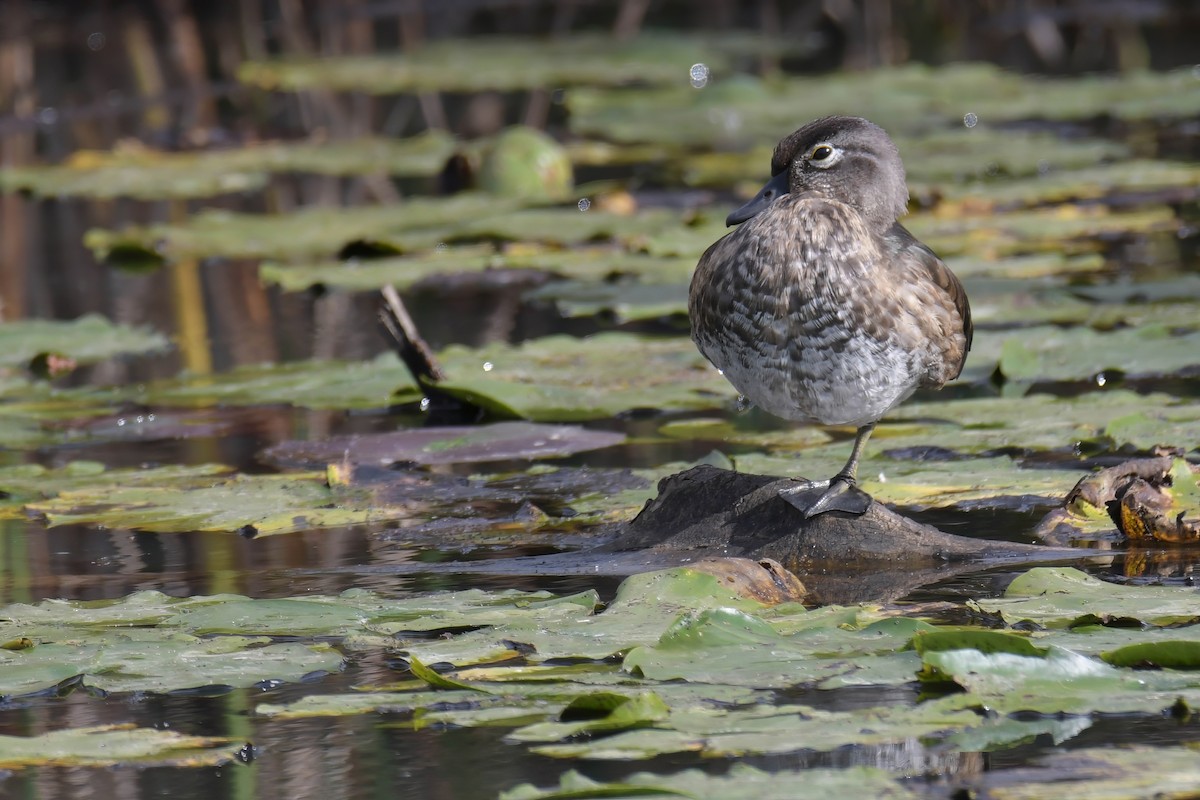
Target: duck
[(820, 307)]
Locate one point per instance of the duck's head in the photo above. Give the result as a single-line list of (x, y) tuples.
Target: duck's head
[(843, 158)]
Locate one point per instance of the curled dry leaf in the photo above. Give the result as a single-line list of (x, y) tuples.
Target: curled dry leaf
[(1148, 499)]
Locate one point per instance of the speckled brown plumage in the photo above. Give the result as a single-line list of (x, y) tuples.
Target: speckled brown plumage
[(821, 307)]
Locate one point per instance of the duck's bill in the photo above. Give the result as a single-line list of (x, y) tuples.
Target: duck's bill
[(776, 188)]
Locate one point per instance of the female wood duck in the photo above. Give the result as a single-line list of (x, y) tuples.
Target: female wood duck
[(821, 307)]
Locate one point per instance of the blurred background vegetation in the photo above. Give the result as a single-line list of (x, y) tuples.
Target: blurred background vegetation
[(89, 76)]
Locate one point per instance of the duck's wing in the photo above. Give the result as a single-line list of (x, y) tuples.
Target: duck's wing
[(914, 255)]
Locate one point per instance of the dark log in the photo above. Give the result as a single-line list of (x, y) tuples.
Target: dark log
[(706, 515), (706, 511)]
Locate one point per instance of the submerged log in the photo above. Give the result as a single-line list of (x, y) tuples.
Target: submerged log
[(706, 511)]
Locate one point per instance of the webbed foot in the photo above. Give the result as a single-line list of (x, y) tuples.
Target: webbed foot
[(839, 494)]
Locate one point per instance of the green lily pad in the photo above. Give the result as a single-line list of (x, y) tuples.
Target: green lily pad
[(1111, 420), (1038, 421), (585, 264), (1174, 654), (208, 498), (88, 339), (967, 483), (559, 378), (762, 729), (1062, 681), (155, 175), (307, 233), (625, 301), (727, 647), (564, 226), (446, 445), (167, 663), (1085, 184), (310, 384), (1059, 597), (259, 505), (110, 745), (1066, 229), (25, 483), (1049, 353), (495, 63), (741, 781), (745, 111)]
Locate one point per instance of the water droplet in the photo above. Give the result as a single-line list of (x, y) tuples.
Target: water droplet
[(1101, 379), (121, 422), (424, 403), (441, 247), (149, 418), (699, 75), (488, 366), (95, 41), (970, 119), (48, 115), (584, 204), (743, 403)]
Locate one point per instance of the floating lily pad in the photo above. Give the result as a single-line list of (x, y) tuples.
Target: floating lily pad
[(309, 384), (741, 781), (1085, 184), (1063, 597), (1060, 682), (1065, 229), (725, 647), (1048, 353), (496, 63), (109, 745), (166, 501), (584, 264), (449, 445), (1109, 419), (207, 498), (745, 111), (760, 729), (25, 483), (948, 430), (625, 301), (929, 483), (164, 663), (559, 378), (564, 226), (87, 339), (152, 175), (307, 233)]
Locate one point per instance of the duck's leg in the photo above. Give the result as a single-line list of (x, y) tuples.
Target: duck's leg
[(842, 492)]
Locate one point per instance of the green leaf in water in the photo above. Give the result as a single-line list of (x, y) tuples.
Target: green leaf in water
[(86, 340), (1059, 597), (110, 745)]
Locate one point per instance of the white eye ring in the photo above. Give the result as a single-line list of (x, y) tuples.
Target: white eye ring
[(824, 155)]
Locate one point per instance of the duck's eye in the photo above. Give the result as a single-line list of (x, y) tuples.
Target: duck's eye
[(821, 152)]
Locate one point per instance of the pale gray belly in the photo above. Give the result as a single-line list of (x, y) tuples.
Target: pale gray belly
[(854, 383)]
